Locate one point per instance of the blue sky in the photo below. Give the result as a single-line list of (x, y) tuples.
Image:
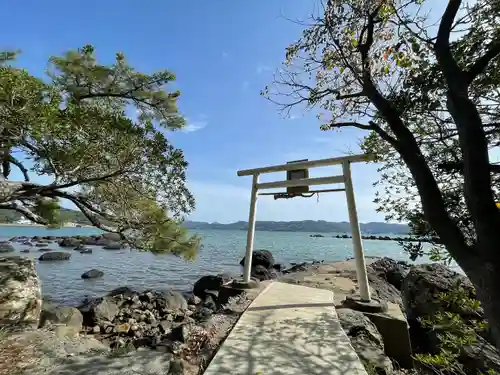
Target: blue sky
[(223, 53)]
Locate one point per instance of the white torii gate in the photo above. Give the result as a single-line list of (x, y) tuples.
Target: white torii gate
[(345, 178)]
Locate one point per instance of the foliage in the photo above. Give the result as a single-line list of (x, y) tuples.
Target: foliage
[(453, 331), (98, 131)]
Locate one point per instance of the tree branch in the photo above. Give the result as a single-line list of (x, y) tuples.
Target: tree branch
[(25, 211), (480, 65), (442, 46), (21, 167)]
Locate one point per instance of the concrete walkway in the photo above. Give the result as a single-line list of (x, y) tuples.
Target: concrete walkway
[(288, 329)]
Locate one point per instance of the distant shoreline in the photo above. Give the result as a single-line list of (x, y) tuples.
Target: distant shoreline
[(43, 226)]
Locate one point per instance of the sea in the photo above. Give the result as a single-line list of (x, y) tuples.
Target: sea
[(221, 252)]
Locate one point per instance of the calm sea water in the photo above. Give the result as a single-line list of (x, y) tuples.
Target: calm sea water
[(221, 253)]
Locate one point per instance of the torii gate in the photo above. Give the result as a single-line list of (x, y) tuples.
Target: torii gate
[(297, 183)]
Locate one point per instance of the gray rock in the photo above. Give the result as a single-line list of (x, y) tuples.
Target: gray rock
[(86, 251), (68, 319), (54, 255), (113, 246), (176, 367), (69, 242), (171, 300), (98, 311), (424, 282), (209, 282), (480, 357), (366, 340), (390, 270), (20, 292), (261, 258), (25, 251), (114, 237), (92, 274), (6, 247)]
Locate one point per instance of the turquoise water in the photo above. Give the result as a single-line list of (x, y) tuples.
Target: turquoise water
[(222, 251)]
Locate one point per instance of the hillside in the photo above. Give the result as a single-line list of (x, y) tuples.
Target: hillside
[(320, 226), (9, 216), (304, 226)]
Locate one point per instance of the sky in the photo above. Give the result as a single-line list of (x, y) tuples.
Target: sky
[(223, 53)]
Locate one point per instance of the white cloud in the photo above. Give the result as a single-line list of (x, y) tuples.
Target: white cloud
[(194, 126)]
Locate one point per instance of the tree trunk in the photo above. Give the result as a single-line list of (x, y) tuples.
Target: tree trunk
[(486, 278)]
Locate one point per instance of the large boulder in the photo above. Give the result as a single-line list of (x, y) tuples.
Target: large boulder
[(54, 255), (206, 284), (99, 310), (366, 340), (69, 242), (20, 292), (392, 271), (422, 285), (67, 320), (261, 258), (6, 247)]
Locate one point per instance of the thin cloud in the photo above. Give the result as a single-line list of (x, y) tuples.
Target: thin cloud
[(245, 85), (194, 126), (225, 55)]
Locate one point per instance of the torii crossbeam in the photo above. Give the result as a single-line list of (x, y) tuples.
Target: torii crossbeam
[(292, 182)]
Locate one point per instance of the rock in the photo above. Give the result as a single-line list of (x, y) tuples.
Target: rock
[(170, 300), (166, 326), (98, 310), (6, 247), (261, 258), (122, 328), (113, 246), (20, 292), (25, 251), (54, 255), (261, 273), (390, 270), (209, 303), (69, 242), (113, 237), (123, 291), (41, 245), (480, 357), (92, 274), (205, 283), (366, 340), (384, 290), (176, 367), (86, 251), (424, 282), (68, 317), (181, 332), (192, 299)]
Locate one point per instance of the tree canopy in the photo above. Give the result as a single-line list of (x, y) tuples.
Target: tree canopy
[(99, 133), (427, 91)]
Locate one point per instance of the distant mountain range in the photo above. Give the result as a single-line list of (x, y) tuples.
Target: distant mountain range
[(319, 226)]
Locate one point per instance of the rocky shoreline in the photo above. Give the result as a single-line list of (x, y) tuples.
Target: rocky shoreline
[(180, 332)]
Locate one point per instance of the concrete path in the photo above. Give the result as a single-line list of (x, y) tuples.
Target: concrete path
[(288, 330)]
